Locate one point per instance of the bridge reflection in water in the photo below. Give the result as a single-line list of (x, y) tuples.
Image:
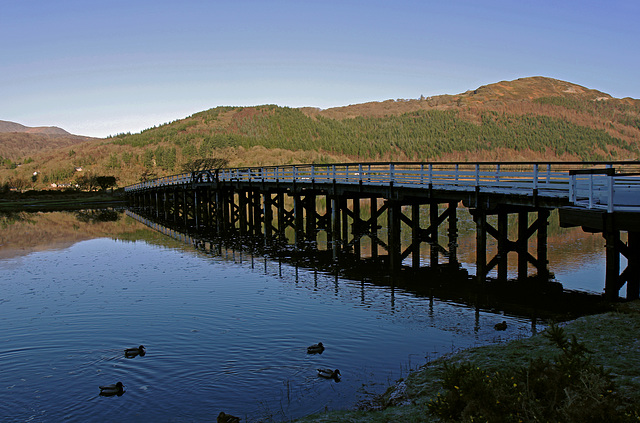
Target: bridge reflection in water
[(344, 212), (532, 298)]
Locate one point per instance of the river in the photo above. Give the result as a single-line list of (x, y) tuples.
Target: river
[(223, 332)]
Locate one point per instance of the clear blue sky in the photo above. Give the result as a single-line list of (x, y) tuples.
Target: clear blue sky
[(109, 66)]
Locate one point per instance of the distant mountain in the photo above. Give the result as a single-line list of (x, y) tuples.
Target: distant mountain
[(6, 126), (18, 142)]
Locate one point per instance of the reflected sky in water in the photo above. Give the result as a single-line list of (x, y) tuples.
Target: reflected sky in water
[(222, 334)]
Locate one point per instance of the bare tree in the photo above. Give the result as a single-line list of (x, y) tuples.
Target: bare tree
[(204, 168), (212, 163)]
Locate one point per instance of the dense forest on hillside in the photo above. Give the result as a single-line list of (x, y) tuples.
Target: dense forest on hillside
[(533, 118), (423, 135)]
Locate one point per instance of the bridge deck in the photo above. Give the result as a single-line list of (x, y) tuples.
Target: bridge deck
[(606, 186)]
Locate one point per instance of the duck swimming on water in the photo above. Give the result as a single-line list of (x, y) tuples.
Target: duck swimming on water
[(111, 390), (329, 374), (501, 326), (315, 348), (227, 418), (133, 352)]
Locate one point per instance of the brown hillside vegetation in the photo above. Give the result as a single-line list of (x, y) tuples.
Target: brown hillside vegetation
[(527, 119), (17, 146), (6, 126)]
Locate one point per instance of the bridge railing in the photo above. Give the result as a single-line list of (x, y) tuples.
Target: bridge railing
[(597, 185)]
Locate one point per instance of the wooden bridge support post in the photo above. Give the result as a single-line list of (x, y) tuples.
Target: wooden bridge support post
[(185, 208), (415, 236), (543, 260), (345, 222), (267, 212), (281, 219), (433, 223), (257, 213), (227, 211), (453, 234), (612, 274), (374, 227), (298, 221), (328, 221), (503, 245), (335, 221), (219, 212), (522, 244), (156, 211), (211, 207), (311, 219), (480, 217), (196, 208), (242, 212), (393, 235), (174, 197), (356, 222)]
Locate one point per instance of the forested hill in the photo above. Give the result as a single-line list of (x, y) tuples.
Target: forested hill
[(526, 119)]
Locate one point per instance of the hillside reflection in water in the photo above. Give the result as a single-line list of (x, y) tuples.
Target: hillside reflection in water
[(223, 333)]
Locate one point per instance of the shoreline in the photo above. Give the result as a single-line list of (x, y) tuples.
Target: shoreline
[(612, 338), (33, 201)]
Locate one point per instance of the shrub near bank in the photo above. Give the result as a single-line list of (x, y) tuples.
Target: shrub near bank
[(603, 360), (570, 388)]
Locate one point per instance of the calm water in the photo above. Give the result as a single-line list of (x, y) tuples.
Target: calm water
[(222, 333)]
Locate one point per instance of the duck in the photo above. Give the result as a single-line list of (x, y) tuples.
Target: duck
[(329, 374), (110, 390), (501, 326), (227, 418), (315, 348), (132, 352)]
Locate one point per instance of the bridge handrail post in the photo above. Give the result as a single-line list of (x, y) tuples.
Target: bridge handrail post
[(572, 188), (430, 173), (611, 192), (535, 177), (611, 175), (456, 174), (477, 167), (548, 176), (591, 190), (391, 173), (498, 172), (333, 172), (360, 173)]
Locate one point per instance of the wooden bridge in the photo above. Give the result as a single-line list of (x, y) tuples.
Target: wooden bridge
[(346, 202)]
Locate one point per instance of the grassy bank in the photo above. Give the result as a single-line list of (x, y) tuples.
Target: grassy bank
[(58, 200), (612, 339)]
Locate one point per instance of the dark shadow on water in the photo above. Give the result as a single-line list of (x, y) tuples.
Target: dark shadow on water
[(98, 215)]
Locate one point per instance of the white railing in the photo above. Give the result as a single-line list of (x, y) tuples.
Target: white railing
[(591, 185)]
